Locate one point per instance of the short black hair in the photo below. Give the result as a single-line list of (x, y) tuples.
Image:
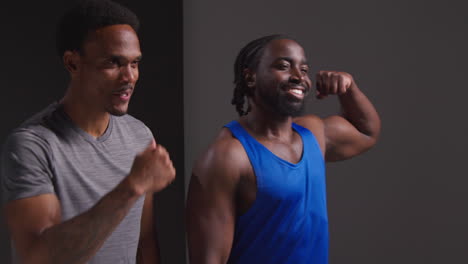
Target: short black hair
[(89, 15), (248, 58)]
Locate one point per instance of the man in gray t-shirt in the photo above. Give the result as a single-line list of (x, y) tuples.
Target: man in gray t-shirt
[(78, 177)]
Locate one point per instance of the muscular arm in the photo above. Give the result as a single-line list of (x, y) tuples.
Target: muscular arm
[(211, 208), (148, 247), (353, 132), (356, 130), (40, 236)]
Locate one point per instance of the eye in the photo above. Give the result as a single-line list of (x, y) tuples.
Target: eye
[(134, 64), (282, 66), (305, 70), (112, 62)]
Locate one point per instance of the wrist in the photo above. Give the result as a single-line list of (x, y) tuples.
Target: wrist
[(350, 91), (132, 187)]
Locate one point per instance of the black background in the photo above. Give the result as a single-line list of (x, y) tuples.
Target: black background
[(33, 77)]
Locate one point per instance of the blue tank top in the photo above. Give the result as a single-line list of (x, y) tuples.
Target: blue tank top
[(287, 222)]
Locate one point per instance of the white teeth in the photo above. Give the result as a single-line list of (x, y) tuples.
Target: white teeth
[(297, 91)]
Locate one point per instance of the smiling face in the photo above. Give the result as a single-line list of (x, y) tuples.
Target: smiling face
[(281, 78), (108, 69)]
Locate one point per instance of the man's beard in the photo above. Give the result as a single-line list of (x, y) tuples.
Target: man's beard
[(283, 104)]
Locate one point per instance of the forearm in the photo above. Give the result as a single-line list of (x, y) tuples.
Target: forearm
[(360, 112), (148, 252), (78, 239)]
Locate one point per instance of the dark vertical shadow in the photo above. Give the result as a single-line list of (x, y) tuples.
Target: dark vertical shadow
[(158, 102)]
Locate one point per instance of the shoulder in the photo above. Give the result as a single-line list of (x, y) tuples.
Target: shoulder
[(311, 122), (33, 143), (32, 135), (26, 147), (26, 135), (40, 125), (315, 124), (40, 117), (225, 151), (130, 121), (131, 125), (225, 159), (51, 125)]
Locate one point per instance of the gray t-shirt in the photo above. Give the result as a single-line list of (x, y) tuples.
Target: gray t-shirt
[(49, 154)]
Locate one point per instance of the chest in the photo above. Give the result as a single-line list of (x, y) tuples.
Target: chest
[(84, 172), (271, 178), (290, 150)]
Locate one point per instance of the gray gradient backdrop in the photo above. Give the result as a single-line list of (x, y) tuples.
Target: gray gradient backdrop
[(405, 200)]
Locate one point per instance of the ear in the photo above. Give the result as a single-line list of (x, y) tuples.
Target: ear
[(71, 60), (249, 77)]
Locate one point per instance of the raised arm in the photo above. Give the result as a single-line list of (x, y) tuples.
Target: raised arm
[(356, 129), (40, 236), (211, 205)]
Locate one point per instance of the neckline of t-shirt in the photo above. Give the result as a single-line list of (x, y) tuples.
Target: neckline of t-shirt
[(83, 133)]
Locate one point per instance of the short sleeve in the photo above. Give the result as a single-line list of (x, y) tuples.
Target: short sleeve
[(25, 166), (150, 134)]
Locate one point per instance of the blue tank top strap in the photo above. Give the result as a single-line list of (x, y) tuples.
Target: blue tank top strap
[(310, 141), (250, 146), (236, 129)]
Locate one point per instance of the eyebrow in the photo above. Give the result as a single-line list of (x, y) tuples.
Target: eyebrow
[(290, 60), (120, 58)]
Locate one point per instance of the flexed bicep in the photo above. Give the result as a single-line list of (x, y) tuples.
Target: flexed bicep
[(343, 140)]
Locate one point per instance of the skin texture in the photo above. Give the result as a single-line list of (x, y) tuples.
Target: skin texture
[(223, 184), (106, 69)]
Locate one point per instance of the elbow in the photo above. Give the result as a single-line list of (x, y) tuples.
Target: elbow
[(372, 135), (370, 142)]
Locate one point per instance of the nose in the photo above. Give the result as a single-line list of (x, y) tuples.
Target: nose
[(297, 76), (128, 73)]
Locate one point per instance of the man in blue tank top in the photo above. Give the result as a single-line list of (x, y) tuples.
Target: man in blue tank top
[(258, 193)]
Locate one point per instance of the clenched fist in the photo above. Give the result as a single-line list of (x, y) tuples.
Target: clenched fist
[(152, 169), (333, 82)]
